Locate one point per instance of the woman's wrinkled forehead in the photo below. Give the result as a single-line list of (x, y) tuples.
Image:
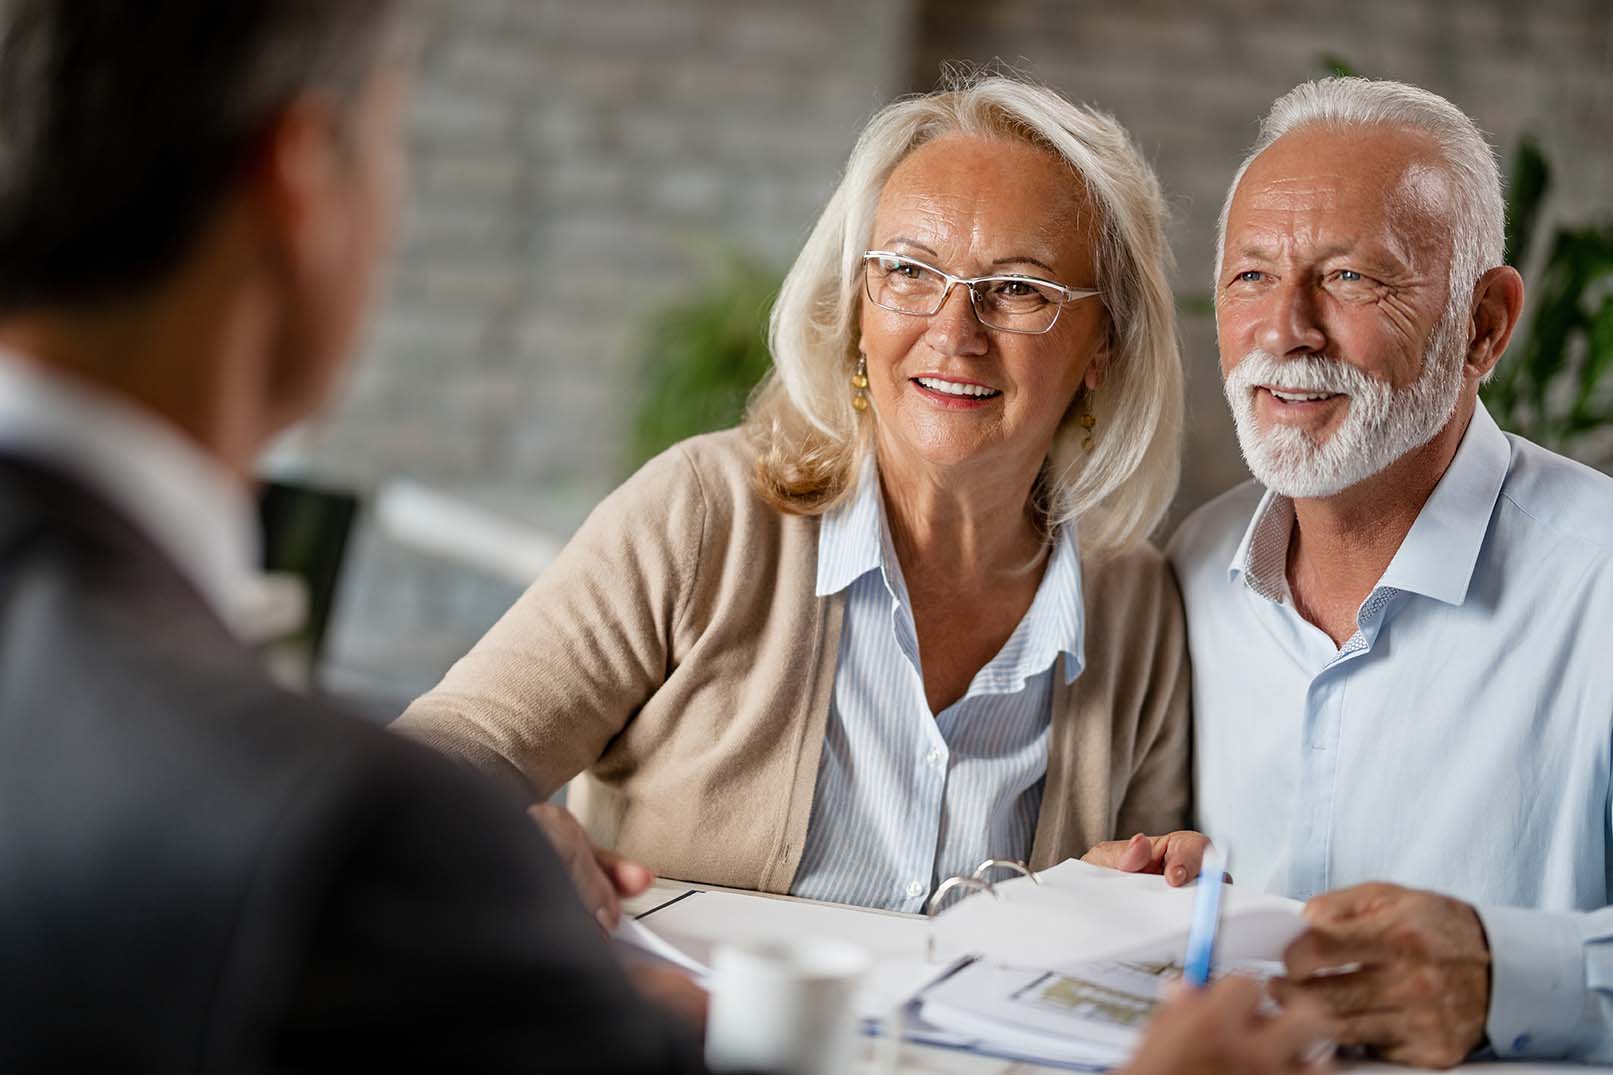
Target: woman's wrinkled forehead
[(981, 195)]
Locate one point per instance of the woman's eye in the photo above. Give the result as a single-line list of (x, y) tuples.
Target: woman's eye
[(1013, 289)]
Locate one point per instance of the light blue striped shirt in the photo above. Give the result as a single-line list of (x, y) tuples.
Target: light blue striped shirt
[(905, 798), (1459, 741)]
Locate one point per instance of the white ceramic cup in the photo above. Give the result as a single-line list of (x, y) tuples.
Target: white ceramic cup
[(784, 1007)]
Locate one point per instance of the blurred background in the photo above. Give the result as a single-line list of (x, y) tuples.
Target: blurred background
[(607, 193)]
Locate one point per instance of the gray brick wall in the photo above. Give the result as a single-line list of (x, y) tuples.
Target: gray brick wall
[(574, 165), (573, 159)]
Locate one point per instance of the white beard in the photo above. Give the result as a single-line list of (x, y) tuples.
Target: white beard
[(1381, 425)]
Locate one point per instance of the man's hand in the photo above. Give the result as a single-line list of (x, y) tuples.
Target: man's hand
[(1222, 1031), (602, 877), (673, 990), (1404, 971), (1177, 855)]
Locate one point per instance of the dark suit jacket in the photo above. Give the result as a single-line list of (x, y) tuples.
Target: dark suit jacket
[(199, 872)]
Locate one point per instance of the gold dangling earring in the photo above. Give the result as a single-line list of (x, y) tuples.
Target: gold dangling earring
[(859, 384), (1088, 420)]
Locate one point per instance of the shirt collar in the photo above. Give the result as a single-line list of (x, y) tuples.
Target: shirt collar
[(1439, 553), (850, 538), (854, 540), (198, 515), (1442, 549)]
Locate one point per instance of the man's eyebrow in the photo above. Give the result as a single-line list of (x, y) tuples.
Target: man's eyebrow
[(1259, 251), (1024, 259)]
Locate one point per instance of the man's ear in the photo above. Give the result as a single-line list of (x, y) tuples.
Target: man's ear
[(1497, 306), (295, 183)]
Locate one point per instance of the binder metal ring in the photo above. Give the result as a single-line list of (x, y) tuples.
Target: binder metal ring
[(973, 884), (1006, 864)]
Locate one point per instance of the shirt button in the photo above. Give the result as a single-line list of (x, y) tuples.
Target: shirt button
[(935, 758), (1520, 1043), (915, 890)]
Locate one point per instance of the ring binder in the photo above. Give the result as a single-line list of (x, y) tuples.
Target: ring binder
[(974, 882)]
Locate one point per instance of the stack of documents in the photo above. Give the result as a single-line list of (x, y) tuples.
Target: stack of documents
[(1064, 970)]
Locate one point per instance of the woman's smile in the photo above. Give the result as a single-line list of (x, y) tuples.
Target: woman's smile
[(953, 394)]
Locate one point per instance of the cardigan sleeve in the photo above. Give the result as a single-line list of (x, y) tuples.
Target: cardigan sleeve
[(1156, 799), (567, 667)]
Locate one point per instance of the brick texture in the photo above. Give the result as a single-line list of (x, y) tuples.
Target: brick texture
[(574, 164)]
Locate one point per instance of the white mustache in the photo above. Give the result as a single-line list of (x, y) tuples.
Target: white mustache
[(1312, 373)]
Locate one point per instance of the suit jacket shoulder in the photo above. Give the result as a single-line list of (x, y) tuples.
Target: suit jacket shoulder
[(201, 872)]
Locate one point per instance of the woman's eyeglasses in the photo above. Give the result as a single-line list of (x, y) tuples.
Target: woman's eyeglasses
[(1009, 302)]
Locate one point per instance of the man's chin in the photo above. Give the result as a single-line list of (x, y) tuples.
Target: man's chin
[(1296, 469)]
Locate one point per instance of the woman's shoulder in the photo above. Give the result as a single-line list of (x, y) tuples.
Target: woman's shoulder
[(716, 469)]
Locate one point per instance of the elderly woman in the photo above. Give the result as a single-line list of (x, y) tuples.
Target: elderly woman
[(903, 620)]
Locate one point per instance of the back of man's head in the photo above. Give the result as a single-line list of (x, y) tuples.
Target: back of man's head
[(124, 122)]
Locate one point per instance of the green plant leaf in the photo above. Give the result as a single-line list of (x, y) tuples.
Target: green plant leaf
[(1335, 64), (1531, 178), (702, 355)]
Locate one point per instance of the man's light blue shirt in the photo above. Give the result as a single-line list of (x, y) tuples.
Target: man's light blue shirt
[(906, 798), (1460, 741)]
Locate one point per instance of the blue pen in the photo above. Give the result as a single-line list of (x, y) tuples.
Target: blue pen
[(1206, 920)]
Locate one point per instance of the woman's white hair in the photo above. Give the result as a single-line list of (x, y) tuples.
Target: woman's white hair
[(810, 440), (1478, 216)]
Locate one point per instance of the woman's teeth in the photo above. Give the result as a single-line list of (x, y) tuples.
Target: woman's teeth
[(1301, 397), (956, 388)]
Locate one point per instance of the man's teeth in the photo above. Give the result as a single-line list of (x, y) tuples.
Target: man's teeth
[(955, 388), (1301, 397)]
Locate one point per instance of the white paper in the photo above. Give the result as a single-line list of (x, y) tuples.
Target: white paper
[(1082, 914), (696, 924), (630, 931)]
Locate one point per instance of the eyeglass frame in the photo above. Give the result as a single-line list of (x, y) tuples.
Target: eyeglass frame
[(1067, 294)]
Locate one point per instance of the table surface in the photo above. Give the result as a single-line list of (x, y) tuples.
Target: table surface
[(916, 1059)]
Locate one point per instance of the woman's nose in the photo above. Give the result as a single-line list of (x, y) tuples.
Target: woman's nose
[(954, 328)]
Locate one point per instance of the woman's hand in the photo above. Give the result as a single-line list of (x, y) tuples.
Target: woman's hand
[(601, 876), (1177, 855), (1223, 1031)]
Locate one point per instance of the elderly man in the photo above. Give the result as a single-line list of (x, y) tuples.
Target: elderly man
[(1400, 632)]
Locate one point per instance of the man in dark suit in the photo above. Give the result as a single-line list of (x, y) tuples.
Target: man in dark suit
[(199, 872)]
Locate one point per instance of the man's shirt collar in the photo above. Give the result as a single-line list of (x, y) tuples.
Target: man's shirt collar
[(199, 516), (1439, 553)]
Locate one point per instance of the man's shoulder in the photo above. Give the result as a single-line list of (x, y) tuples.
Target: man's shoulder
[(1204, 543), (1559, 495)]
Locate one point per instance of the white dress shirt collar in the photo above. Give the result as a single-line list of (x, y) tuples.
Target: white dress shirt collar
[(198, 515), (1438, 555)]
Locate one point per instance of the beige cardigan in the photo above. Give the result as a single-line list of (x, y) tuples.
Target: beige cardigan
[(677, 656)]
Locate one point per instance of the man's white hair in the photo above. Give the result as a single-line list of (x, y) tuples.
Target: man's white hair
[(1478, 216)]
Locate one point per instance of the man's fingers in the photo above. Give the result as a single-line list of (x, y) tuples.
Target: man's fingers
[(629, 878), (596, 891), (1345, 905), (1382, 1030), (1297, 1039), (1234, 996), (570, 841), (672, 990), (1318, 951), (1356, 993)]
